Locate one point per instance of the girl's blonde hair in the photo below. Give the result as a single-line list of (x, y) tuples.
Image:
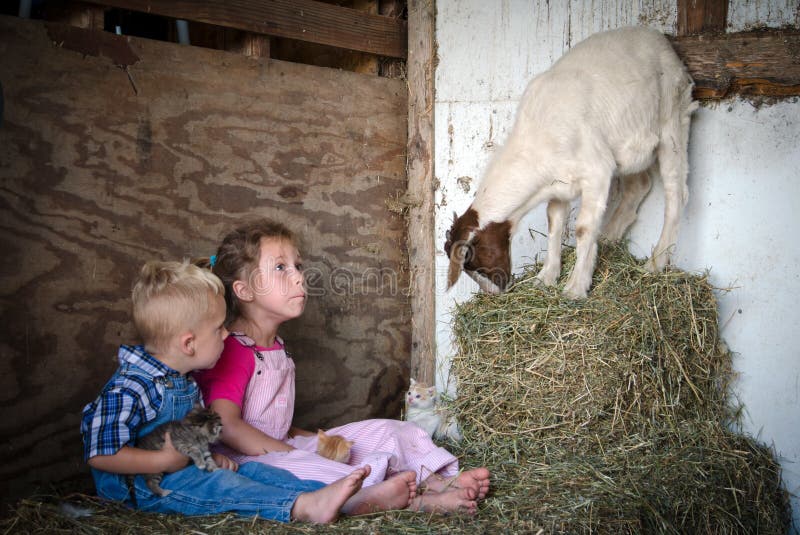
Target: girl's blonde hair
[(171, 297), (238, 256)]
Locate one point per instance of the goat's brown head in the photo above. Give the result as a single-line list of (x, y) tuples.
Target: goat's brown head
[(483, 254)]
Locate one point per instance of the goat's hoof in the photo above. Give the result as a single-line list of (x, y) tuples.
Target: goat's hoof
[(571, 293), (654, 266), (545, 280)]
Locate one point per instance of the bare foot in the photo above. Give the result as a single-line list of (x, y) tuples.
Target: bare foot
[(393, 493), (322, 506), (477, 479), (454, 500)]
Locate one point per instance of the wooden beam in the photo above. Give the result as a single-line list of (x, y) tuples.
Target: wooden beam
[(304, 20), (420, 188), (697, 16), (758, 63)]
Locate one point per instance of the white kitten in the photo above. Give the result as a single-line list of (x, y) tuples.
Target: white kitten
[(422, 410)]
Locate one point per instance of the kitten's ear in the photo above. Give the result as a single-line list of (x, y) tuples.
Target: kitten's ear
[(320, 433), (412, 382)]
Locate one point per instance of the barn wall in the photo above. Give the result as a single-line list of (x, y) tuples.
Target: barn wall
[(742, 214), (103, 168)]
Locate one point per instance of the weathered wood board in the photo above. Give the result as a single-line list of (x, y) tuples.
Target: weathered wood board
[(758, 63), (104, 167)]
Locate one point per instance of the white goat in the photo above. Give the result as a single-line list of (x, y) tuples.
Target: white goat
[(616, 106)]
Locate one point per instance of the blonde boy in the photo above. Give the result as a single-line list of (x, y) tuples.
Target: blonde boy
[(179, 310)]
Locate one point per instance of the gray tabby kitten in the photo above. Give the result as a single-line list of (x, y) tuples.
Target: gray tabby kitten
[(190, 436)]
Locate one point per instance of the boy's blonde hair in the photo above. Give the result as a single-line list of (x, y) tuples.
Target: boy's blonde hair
[(171, 297)]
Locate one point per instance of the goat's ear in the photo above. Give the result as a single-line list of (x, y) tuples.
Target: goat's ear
[(458, 253)]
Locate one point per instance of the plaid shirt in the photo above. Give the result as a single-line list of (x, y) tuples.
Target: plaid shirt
[(130, 399)]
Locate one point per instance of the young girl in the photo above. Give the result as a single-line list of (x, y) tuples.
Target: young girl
[(252, 385)]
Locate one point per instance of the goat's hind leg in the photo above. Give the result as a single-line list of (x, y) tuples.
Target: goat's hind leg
[(557, 211), (674, 169), (633, 189)]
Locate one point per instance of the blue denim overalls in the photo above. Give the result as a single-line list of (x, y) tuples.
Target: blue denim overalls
[(255, 489)]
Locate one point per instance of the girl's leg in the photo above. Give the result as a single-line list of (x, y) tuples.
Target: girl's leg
[(408, 443), (308, 465), (436, 468)]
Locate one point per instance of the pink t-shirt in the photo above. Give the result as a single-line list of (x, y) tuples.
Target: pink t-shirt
[(228, 379)]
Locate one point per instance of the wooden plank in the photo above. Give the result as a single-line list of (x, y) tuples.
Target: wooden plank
[(304, 20), (759, 63), (96, 178), (260, 45), (421, 250), (697, 16)]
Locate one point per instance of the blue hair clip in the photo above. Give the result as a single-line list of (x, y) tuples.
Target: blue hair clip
[(212, 260)]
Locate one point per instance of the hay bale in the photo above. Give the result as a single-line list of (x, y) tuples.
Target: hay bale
[(613, 411)]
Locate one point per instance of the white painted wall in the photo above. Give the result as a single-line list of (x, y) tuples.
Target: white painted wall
[(744, 207)]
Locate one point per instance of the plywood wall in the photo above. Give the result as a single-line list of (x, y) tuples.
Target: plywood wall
[(103, 167)]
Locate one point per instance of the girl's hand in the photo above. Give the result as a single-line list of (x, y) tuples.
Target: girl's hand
[(225, 462), (173, 459), (279, 447)]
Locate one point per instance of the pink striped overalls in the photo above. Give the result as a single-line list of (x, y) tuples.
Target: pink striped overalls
[(388, 446)]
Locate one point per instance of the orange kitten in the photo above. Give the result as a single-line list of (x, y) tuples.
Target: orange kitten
[(333, 447)]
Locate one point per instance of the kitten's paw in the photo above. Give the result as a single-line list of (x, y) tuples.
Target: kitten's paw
[(209, 465)]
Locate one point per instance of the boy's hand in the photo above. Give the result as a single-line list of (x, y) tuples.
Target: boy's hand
[(225, 462), (173, 459)]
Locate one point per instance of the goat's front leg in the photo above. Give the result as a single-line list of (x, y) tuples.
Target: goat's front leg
[(587, 228), (556, 218)]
